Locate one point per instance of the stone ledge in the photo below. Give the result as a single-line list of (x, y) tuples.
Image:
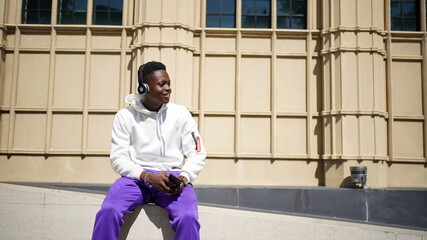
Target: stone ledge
[(42, 213)]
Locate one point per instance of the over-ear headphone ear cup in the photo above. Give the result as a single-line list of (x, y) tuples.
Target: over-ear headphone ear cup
[(143, 88)]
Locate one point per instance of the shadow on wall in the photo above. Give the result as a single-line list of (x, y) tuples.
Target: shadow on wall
[(159, 220)]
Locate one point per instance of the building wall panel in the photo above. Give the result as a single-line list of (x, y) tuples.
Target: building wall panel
[(272, 173), (366, 80), (220, 83), (99, 132), (408, 140), (406, 48), (72, 169), (316, 85), (6, 85), (291, 85), (349, 82), (367, 136), (255, 135), (69, 40), (223, 44), (104, 81), (4, 131), (363, 19), (104, 41), (291, 45), (33, 127), (350, 136), (218, 134), (256, 44), (40, 40), (407, 93), (33, 80), (291, 136), (69, 81), (255, 89), (66, 132)]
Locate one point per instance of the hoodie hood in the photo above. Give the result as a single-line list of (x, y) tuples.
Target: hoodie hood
[(135, 100)]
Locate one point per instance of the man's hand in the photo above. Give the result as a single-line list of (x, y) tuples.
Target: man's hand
[(179, 188), (159, 181)]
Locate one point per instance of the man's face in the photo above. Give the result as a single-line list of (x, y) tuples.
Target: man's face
[(160, 90)]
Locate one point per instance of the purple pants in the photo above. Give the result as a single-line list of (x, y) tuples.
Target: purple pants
[(126, 194)]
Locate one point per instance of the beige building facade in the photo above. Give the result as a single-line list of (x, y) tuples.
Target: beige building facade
[(276, 106)]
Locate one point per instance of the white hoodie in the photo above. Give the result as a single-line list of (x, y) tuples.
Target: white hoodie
[(142, 139)]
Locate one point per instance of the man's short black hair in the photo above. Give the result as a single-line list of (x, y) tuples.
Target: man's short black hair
[(147, 69)]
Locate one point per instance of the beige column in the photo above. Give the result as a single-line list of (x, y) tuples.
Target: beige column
[(354, 102), (165, 32)]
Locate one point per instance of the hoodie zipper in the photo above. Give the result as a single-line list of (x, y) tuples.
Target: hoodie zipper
[(159, 123)]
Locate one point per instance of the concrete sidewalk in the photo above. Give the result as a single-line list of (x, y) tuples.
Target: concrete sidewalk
[(41, 213)]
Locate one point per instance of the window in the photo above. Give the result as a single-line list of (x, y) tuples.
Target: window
[(256, 13), (107, 12), (291, 14), (221, 13), (72, 11), (36, 11), (405, 15)]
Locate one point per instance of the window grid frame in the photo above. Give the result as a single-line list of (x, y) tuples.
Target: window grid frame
[(38, 10), (402, 18), (255, 15), (73, 12), (220, 14), (108, 12), (291, 15)]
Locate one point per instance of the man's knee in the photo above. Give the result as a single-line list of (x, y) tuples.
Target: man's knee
[(108, 211)]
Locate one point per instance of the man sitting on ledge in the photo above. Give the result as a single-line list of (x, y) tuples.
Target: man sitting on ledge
[(150, 140)]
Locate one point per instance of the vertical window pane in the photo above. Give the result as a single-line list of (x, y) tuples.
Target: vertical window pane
[(80, 5), (283, 22), (44, 18), (101, 18), (32, 4), (116, 18), (262, 7), (248, 21), (263, 22), (396, 9), (228, 7), (212, 21), (298, 7), (213, 6), (283, 7), (66, 18), (408, 10), (80, 18), (66, 5), (248, 7), (298, 23), (409, 24), (228, 21), (45, 4), (116, 5), (32, 17), (396, 24)]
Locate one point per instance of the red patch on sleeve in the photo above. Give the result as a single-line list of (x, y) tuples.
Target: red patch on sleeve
[(198, 145)]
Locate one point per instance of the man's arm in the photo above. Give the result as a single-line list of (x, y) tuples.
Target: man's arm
[(120, 149), (193, 149)]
